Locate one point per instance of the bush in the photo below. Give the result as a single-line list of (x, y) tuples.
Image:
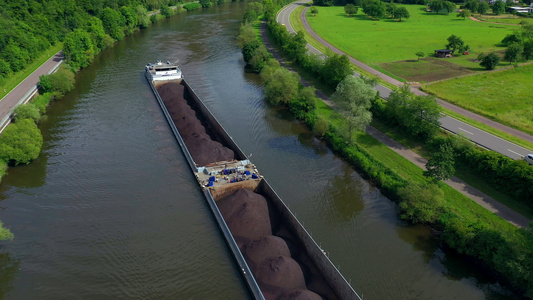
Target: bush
[(42, 101), (421, 204), (282, 87), (27, 111), (21, 142), (490, 61), (192, 6), (5, 234), (62, 81), (259, 58), (321, 126)]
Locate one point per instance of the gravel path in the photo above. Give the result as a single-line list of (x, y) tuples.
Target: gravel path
[(416, 91), (477, 196)]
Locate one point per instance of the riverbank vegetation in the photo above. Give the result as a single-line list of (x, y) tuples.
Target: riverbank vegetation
[(461, 224), (33, 31)]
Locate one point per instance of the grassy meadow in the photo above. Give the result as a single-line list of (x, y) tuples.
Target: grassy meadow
[(501, 95), (378, 42)]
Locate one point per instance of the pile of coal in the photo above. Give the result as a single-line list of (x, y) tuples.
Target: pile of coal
[(202, 148), (272, 257)]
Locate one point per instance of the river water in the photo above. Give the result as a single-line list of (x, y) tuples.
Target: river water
[(110, 210)]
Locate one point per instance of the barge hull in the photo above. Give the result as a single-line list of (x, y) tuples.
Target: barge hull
[(331, 275)]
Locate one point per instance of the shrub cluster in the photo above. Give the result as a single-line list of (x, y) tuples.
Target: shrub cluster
[(192, 6), (510, 256), (331, 70), (513, 177)]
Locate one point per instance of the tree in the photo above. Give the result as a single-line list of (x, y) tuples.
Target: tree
[(350, 9), (335, 69), (472, 5), (323, 2), (498, 7), (449, 6), (421, 204), (390, 8), (455, 42), (528, 50), (511, 38), (165, 11), (401, 12), (420, 54), (513, 52), (282, 86), (490, 61), (441, 165), (352, 97), (483, 7), (436, 5), (21, 142), (314, 10), (113, 21), (419, 115), (79, 49), (142, 16), (374, 8), (464, 13), (27, 111)]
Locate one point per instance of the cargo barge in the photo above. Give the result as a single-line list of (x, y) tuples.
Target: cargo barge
[(277, 257)]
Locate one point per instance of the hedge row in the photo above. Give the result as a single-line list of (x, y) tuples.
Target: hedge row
[(509, 255)]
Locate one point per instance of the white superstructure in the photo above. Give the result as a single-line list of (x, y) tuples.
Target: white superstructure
[(163, 72)]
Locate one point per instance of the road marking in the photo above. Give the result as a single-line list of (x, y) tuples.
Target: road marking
[(465, 131), (515, 152)]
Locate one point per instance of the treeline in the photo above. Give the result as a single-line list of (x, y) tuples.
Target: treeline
[(28, 28), (508, 251)]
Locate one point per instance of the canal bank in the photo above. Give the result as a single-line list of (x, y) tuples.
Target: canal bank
[(110, 206)]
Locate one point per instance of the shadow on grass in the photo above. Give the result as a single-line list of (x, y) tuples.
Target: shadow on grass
[(362, 18), (367, 140)]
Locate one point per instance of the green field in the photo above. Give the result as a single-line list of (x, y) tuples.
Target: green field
[(385, 41), (501, 95), (505, 18)]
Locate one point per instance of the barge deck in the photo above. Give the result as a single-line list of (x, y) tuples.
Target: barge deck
[(292, 265)]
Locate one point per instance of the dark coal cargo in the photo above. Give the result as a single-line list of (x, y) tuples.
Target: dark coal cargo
[(277, 256), (204, 150)]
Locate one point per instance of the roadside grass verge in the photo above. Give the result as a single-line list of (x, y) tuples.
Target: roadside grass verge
[(500, 96), (461, 205), (462, 172), (297, 25), (386, 40), (403, 166), (13, 80), (491, 130)]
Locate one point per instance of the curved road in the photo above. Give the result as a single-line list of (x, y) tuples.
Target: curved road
[(475, 195), (476, 135), (24, 90)]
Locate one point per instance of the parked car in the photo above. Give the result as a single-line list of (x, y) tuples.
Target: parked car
[(529, 158)]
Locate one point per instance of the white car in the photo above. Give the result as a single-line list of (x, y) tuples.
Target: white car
[(529, 158)]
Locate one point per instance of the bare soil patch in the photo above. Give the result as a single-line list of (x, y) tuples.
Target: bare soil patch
[(428, 69)]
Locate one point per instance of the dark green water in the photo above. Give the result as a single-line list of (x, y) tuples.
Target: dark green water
[(110, 210)]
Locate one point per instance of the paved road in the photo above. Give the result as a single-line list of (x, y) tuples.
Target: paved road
[(477, 196), (476, 135), (26, 88)]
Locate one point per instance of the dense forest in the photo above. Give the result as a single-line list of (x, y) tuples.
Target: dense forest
[(29, 27)]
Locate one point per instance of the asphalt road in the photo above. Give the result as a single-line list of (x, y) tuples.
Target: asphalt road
[(476, 135), (27, 87)]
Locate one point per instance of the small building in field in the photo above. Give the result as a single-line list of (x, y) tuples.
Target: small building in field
[(442, 53), (521, 9)]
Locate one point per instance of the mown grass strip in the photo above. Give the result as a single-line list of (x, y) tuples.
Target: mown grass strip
[(13, 80)]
